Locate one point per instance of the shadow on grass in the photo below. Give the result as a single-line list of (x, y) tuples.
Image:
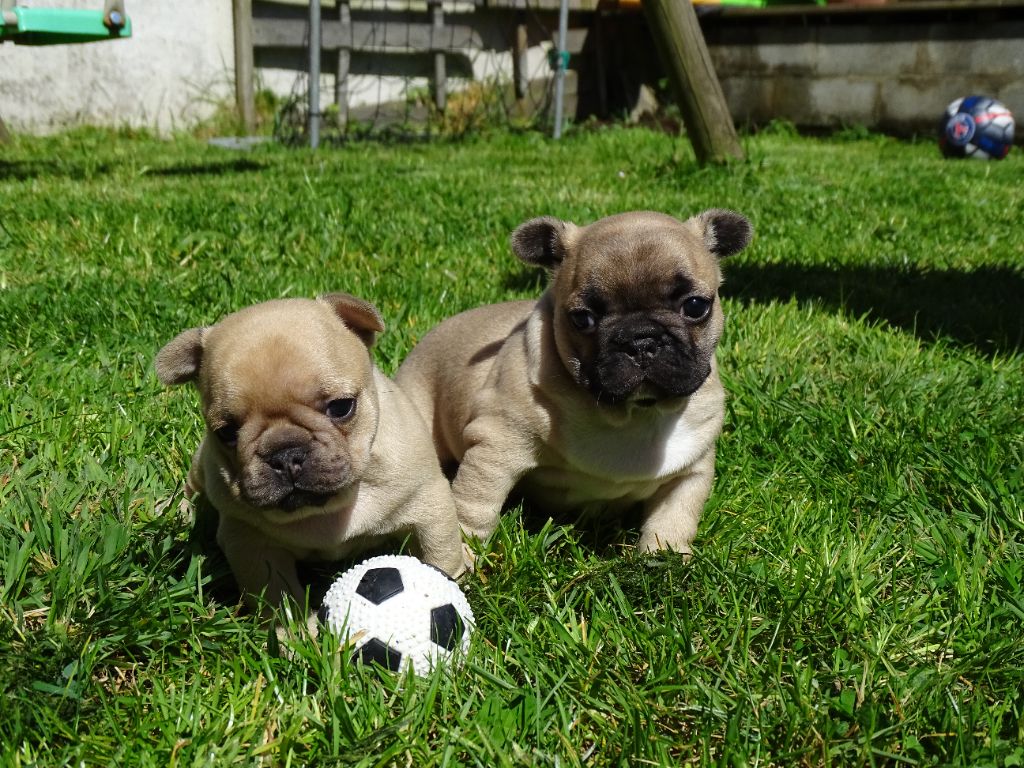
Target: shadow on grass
[(982, 309), (606, 535), (219, 168), (525, 280), (23, 170), (202, 542)]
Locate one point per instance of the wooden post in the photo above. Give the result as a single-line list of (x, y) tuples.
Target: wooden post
[(685, 56), (245, 98), (519, 49), (601, 69)]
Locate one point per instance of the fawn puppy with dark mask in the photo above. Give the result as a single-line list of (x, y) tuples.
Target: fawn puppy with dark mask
[(601, 395), (310, 452)]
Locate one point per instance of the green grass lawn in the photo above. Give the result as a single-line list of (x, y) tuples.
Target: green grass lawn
[(857, 596)]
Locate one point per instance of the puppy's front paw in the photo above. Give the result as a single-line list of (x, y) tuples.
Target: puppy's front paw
[(291, 631), (473, 532), (651, 542), (477, 521)]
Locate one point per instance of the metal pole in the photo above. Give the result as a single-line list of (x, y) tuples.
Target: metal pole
[(344, 63), (314, 74), (563, 30), (440, 75)]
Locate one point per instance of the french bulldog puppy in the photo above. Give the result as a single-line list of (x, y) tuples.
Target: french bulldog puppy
[(603, 394), (310, 452)]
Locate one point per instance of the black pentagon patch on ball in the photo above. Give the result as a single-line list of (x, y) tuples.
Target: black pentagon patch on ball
[(376, 652), (446, 626), (378, 584)]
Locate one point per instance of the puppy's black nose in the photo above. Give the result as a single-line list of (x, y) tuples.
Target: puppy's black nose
[(288, 461), (639, 340), (642, 344), (643, 347)]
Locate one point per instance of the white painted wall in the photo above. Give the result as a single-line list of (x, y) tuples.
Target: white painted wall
[(177, 65), (173, 72)]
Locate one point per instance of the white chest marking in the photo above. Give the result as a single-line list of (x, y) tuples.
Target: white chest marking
[(609, 466)]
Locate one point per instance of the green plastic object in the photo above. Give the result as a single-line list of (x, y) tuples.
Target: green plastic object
[(57, 26)]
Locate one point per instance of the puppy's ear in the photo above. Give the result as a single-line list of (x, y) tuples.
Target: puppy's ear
[(361, 317), (543, 242), (724, 232), (179, 360)]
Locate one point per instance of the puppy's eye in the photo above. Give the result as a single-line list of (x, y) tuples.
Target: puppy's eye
[(583, 319), (228, 434), (342, 409), (696, 307)]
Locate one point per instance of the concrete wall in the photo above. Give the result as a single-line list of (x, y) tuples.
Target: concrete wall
[(179, 66), (891, 71), (172, 72), (869, 67)]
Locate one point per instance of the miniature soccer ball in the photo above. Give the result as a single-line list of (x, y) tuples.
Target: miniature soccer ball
[(976, 126), (394, 610)]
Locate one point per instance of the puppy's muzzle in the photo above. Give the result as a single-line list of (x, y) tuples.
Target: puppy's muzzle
[(293, 476), (646, 355)]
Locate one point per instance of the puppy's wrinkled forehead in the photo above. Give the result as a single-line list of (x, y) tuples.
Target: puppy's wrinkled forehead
[(283, 354), (639, 253)]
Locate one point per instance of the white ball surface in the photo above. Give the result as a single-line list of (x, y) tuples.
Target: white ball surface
[(396, 610)]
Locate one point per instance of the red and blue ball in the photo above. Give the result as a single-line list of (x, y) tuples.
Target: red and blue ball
[(976, 126)]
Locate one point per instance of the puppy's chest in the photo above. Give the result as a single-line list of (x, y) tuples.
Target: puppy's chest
[(346, 527), (325, 537), (628, 463)]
